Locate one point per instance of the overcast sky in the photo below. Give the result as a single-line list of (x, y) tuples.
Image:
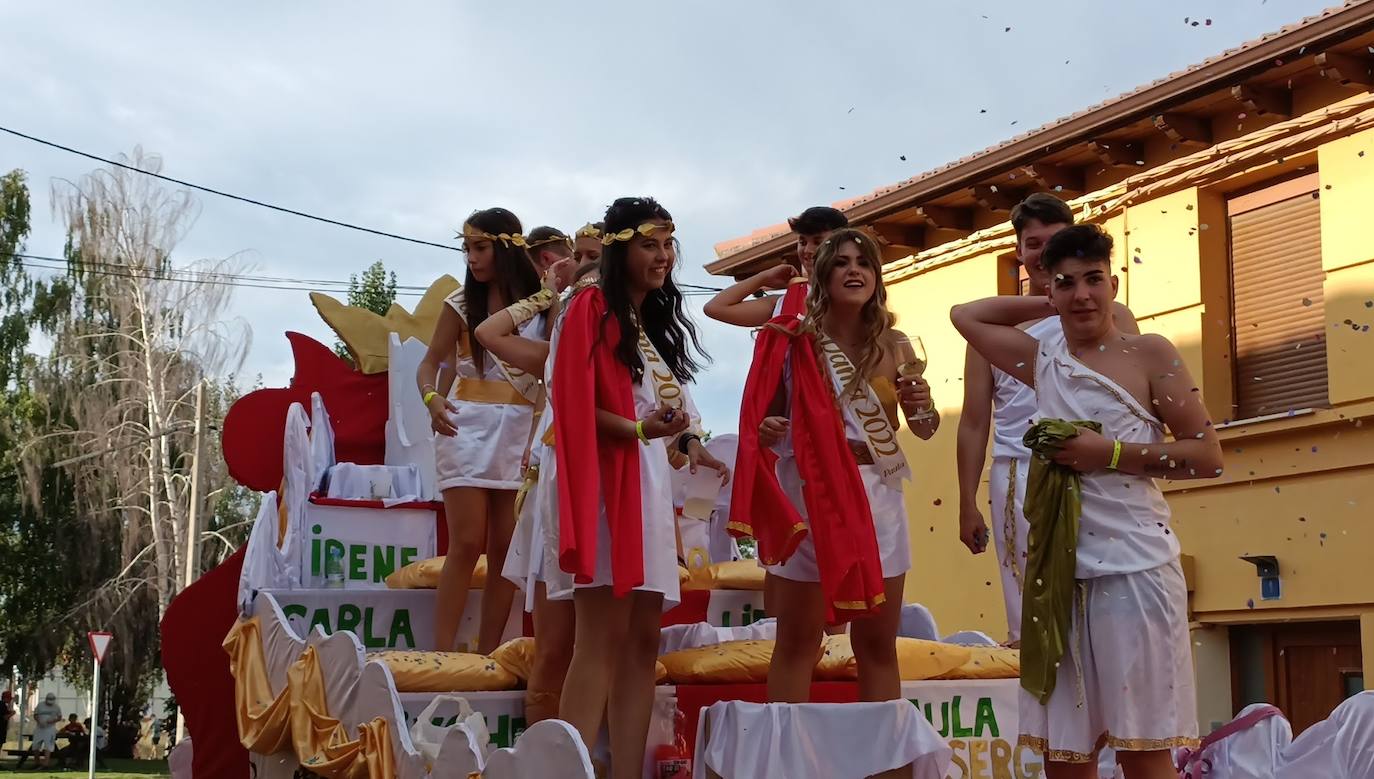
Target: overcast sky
[(406, 119)]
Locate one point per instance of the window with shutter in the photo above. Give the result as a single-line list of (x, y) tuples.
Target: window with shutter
[(1278, 325)]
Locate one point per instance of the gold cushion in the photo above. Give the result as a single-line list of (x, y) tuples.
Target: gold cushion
[(445, 672), (424, 575), (988, 662), (732, 575)]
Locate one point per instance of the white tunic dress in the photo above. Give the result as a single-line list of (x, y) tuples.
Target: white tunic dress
[(884, 501), (491, 437), (1126, 677), (660, 520), (528, 553), (1013, 412)]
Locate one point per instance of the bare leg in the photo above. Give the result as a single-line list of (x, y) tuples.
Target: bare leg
[(770, 601), (1156, 764), (463, 509), (499, 592), (801, 619), (601, 624), (632, 686), (874, 640), (553, 648)]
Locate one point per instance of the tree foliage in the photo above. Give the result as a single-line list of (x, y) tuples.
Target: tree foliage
[(375, 291), (96, 435)]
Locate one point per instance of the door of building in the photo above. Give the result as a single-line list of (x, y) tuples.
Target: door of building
[(1304, 668)]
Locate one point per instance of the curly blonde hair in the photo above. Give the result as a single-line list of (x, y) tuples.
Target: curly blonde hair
[(877, 320)]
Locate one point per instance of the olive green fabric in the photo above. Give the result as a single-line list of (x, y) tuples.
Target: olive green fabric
[(1054, 501)]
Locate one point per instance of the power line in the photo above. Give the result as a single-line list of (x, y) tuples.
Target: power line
[(252, 201), (221, 193), (172, 273), (99, 268), (223, 280)]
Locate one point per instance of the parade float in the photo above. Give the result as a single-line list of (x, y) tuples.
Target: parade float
[(312, 647)]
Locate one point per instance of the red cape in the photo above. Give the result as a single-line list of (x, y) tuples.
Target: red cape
[(593, 469), (841, 520)]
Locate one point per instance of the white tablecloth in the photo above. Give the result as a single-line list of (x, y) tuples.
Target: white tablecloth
[(1339, 747), (740, 740)]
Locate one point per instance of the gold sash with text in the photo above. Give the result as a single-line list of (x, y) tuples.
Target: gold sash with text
[(668, 392), (863, 407), (526, 384)]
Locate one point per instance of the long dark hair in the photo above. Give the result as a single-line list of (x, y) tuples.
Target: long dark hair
[(513, 273), (662, 315)]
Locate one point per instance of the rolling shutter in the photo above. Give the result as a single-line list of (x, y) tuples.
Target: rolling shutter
[(1278, 320)]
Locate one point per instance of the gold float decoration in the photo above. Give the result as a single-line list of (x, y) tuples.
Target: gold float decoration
[(365, 333)]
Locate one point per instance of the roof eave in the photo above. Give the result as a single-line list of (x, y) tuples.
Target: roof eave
[(1319, 33)]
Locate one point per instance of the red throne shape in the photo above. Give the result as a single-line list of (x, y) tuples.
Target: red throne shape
[(197, 620)]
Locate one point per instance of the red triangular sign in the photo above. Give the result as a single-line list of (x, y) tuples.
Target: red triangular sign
[(100, 643)]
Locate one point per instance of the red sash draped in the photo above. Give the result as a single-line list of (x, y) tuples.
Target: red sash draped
[(841, 521), (794, 299), (593, 469)]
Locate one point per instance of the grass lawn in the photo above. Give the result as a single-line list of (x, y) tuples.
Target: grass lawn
[(118, 769)]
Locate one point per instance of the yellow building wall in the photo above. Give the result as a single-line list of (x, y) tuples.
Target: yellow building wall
[(1300, 488), (962, 590)]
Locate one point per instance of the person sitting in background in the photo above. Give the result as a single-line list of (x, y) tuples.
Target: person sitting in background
[(102, 742), (72, 728)]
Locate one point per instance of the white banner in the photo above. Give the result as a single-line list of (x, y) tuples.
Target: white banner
[(979, 719), (734, 608), (357, 547), (386, 619)]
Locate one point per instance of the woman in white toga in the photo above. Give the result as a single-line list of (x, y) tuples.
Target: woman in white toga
[(481, 410)]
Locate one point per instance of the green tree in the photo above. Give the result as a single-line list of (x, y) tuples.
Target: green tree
[(95, 434), (375, 291)]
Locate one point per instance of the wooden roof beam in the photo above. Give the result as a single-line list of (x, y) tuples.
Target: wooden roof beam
[(1185, 129), (896, 234), (945, 218), (1065, 182), (1264, 100), (998, 200), (896, 251), (1345, 69), (1120, 154)]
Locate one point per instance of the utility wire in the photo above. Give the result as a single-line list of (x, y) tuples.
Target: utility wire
[(223, 279), (193, 274), (260, 203), (231, 196)]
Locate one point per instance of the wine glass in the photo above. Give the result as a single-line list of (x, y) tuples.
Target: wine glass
[(913, 367)]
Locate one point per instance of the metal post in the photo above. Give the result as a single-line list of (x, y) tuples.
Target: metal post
[(193, 516), (95, 717)]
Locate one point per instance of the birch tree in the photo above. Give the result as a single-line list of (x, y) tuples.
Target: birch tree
[(131, 337)]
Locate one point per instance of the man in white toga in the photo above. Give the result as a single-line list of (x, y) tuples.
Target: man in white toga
[(1120, 675), (995, 400)]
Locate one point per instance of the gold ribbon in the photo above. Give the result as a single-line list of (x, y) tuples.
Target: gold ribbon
[(525, 310), (471, 233), (588, 230), (526, 384), (647, 228), (484, 391), (531, 478), (563, 239)]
